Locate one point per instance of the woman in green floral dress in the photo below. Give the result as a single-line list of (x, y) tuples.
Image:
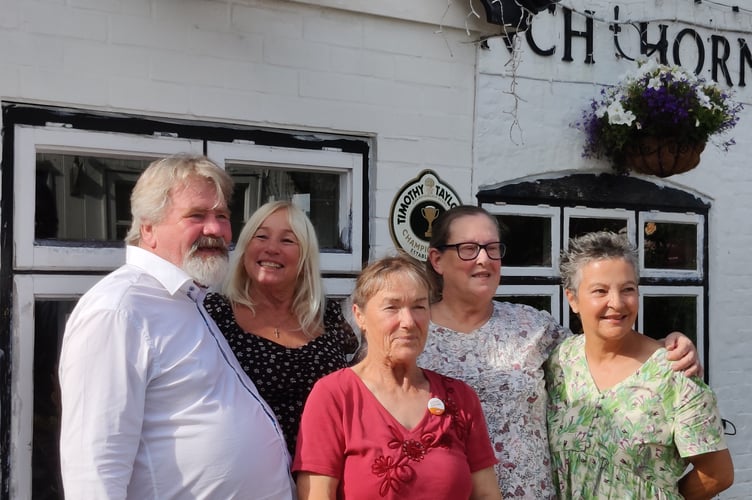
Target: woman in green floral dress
[(621, 423)]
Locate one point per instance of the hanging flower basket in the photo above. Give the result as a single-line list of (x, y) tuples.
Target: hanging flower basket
[(656, 120), (661, 156)]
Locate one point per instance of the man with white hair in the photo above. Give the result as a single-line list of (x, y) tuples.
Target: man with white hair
[(154, 403)]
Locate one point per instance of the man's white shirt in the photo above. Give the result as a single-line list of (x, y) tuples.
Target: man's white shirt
[(154, 403)]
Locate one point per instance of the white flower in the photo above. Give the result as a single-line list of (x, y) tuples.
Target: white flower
[(654, 83), (617, 115), (703, 98)]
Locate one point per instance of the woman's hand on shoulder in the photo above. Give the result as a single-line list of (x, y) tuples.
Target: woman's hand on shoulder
[(683, 353)]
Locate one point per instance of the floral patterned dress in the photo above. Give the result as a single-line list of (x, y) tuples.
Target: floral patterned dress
[(284, 375), (503, 361), (631, 440)]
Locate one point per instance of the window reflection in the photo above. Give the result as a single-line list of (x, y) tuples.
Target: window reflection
[(664, 314), (575, 325), (528, 240), (581, 225), (49, 324), (316, 193), (670, 245), (84, 198)]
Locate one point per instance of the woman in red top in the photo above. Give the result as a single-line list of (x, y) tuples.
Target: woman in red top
[(386, 428)]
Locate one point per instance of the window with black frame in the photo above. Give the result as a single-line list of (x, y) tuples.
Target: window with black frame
[(666, 225)]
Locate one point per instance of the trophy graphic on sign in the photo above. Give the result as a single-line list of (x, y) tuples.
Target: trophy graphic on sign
[(430, 213)]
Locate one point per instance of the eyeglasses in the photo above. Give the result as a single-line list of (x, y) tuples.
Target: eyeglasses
[(469, 250)]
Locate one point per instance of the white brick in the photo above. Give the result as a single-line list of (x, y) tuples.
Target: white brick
[(130, 30), (10, 14), (25, 49), (393, 94), (156, 97), (206, 15), (359, 62), (65, 87), (433, 72), (59, 20), (334, 29), (80, 56), (213, 72), (266, 21), (130, 7), (416, 40), (10, 83), (327, 85), (298, 53), (446, 153)]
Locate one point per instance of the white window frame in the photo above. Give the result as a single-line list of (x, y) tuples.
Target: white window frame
[(59, 139), (598, 213), (28, 289), (347, 165), (552, 213), (679, 218), (678, 291), (553, 291)]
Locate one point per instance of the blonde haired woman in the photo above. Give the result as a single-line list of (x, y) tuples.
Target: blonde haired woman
[(274, 313)]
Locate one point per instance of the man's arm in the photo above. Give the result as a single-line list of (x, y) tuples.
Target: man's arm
[(103, 366)]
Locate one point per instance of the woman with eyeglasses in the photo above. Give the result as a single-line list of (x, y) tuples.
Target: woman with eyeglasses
[(499, 348)]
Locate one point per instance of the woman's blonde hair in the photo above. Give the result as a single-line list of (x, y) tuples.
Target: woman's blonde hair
[(308, 301)]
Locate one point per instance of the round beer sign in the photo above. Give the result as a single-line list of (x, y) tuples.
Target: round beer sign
[(414, 209)]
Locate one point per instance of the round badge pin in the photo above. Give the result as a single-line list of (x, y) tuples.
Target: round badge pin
[(436, 406)]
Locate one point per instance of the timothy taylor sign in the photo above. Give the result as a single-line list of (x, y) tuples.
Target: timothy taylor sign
[(414, 209)]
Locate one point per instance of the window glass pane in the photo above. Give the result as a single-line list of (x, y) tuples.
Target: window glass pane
[(528, 240), (575, 325), (583, 225), (49, 324), (84, 198), (316, 193), (541, 302), (670, 245), (664, 314)]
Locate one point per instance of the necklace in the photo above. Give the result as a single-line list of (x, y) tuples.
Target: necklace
[(250, 322), (278, 332)]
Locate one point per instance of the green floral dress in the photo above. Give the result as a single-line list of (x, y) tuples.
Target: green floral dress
[(631, 440)]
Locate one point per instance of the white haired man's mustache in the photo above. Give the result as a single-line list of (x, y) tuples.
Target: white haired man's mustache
[(208, 242)]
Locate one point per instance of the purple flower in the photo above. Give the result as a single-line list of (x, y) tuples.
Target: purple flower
[(660, 101)]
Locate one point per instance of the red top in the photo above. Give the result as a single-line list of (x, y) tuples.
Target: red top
[(347, 434)]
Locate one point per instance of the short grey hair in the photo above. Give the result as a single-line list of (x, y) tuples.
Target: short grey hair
[(590, 247), (152, 194)]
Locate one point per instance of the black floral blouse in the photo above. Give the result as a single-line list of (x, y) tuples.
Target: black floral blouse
[(283, 375)]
